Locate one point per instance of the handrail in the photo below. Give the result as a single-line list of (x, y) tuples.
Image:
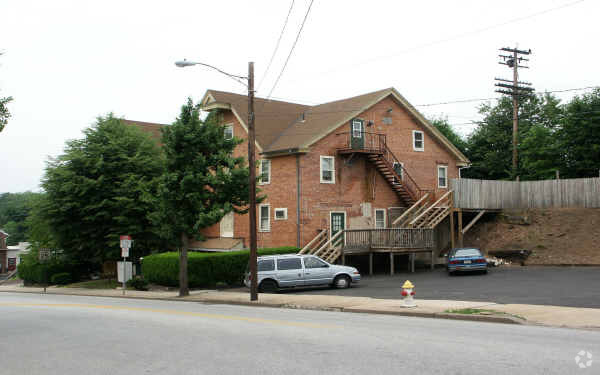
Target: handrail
[(328, 243), (410, 209), (412, 187), (319, 235), (370, 141), (430, 208)]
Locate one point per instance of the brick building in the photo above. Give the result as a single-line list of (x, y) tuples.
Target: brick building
[(3, 252), (319, 169)]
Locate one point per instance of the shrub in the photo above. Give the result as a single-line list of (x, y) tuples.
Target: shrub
[(61, 278), (34, 272), (204, 269), (137, 283)]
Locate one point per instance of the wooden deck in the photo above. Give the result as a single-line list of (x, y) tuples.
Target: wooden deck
[(389, 240)]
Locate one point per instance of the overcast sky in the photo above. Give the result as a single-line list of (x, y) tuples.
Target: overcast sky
[(67, 62)]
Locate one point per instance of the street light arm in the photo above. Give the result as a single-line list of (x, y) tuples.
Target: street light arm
[(184, 63)]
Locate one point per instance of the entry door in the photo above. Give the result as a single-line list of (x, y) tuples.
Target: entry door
[(338, 223), (227, 225), (357, 135)]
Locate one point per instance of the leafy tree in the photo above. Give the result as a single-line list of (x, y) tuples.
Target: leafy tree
[(14, 210), (103, 186), (489, 147), (579, 136), (442, 124), (203, 181)]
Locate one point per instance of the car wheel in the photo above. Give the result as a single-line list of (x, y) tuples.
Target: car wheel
[(341, 282), (451, 273), (268, 286), (485, 272)]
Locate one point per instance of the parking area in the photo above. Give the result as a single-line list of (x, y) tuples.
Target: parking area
[(559, 286)]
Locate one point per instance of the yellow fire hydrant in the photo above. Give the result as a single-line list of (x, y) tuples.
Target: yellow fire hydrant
[(407, 294)]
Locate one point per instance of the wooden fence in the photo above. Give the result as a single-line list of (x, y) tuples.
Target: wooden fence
[(491, 194)]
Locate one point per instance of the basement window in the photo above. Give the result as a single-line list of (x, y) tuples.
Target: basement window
[(442, 176), (418, 140), (281, 214)]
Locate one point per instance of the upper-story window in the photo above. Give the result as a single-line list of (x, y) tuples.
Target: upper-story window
[(265, 171), (418, 140), (228, 129), (327, 170), (357, 128), (264, 218), (442, 176)]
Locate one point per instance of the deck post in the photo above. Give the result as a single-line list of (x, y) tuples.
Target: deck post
[(370, 263), (460, 229), (432, 259), (412, 262), (391, 263), (452, 235)]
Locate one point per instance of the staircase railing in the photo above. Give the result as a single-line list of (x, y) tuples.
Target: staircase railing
[(446, 198), (332, 249), (405, 179), (362, 140), (412, 210), (315, 243)]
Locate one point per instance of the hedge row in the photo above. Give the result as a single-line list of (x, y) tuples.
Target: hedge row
[(33, 272), (204, 269)]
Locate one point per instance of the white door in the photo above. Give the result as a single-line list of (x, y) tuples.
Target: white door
[(227, 225)]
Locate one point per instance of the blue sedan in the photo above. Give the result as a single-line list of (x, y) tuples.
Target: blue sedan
[(466, 259)]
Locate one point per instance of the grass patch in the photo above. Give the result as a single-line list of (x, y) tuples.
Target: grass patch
[(473, 311), (96, 284), (469, 311)]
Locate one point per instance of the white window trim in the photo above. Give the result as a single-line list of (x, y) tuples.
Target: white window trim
[(260, 164), (422, 148), (230, 126), (321, 169), (445, 168), (260, 228), (284, 214), (384, 218)]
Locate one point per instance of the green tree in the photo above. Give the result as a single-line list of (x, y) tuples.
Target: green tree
[(103, 186), (489, 147), (202, 183), (579, 136), (442, 124), (14, 210)]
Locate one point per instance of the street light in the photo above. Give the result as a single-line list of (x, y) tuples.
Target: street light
[(251, 161)]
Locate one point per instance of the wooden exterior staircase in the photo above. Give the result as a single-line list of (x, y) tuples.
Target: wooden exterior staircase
[(424, 214), (374, 146), (328, 249)]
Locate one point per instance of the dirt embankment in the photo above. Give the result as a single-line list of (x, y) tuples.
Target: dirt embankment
[(556, 236)]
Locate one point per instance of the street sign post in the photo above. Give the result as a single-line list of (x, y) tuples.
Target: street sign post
[(125, 246)]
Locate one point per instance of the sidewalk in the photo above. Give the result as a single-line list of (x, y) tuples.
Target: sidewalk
[(557, 316)]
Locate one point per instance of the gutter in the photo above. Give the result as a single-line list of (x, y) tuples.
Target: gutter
[(461, 168), (283, 152)]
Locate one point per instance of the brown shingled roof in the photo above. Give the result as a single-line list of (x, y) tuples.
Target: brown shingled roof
[(147, 127), (278, 125)]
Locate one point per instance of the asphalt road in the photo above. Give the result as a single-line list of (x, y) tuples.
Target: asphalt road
[(67, 335), (559, 286)]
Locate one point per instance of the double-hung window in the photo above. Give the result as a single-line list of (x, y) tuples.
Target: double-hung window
[(357, 128), (327, 170), (379, 218), (418, 140), (263, 218), (442, 171), (265, 171), (228, 131)]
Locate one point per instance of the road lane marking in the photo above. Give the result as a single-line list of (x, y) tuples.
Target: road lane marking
[(172, 312)]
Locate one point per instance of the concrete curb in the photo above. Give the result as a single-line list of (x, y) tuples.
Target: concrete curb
[(418, 314)]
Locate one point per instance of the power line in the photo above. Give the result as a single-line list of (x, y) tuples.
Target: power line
[(449, 39), (292, 49), (276, 46)]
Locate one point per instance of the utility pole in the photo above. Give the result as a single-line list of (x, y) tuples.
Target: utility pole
[(514, 89), (252, 198)]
